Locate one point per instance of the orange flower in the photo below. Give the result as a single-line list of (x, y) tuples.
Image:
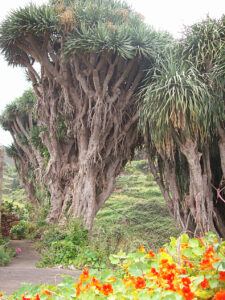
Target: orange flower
[(164, 261), (47, 292), (220, 295), (107, 289), (222, 276), (151, 254), (140, 283), (95, 282), (78, 288), (154, 272), (186, 281), (205, 284), (37, 297), (142, 249), (84, 275), (188, 295)]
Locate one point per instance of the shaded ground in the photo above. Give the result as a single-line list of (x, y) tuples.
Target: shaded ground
[(23, 270)]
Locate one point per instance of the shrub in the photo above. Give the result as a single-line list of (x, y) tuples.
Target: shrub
[(60, 245), (20, 230), (6, 253), (185, 269)]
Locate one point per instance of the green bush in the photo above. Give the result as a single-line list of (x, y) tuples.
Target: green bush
[(60, 245), (20, 230), (6, 253)]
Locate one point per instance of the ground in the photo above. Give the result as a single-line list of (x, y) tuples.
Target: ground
[(23, 269)]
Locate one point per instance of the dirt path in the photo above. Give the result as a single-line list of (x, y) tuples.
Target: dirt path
[(23, 270)]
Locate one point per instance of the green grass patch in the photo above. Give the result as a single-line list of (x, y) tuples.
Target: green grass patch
[(137, 210)]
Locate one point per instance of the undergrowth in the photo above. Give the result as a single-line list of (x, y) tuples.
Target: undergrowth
[(6, 253), (134, 215)]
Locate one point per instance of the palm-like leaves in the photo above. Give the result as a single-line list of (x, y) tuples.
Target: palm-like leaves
[(90, 26), (177, 102), (21, 107)]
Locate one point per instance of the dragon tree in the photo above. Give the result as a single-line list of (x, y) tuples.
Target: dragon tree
[(184, 129), (87, 60), (27, 151)]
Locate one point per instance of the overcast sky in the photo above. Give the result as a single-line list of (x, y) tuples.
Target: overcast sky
[(168, 15)]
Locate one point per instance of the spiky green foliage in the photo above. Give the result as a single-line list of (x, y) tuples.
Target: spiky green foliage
[(178, 101), (204, 46), (204, 43), (85, 25), (20, 107)]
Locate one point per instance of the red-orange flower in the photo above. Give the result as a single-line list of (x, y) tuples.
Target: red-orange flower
[(47, 292), (96, 283), (25, 298), (84, 275), (140, 283), (222, 276), (186, 281), (205, 284), (154, 272), (188, 295), (151, 254), (107, 289), (37, 297), (220, 295), (164, 261), (78, 288)]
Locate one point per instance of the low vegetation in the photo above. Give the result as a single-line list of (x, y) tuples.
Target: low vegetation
[(185, 269), (6, 253), (134, 215)]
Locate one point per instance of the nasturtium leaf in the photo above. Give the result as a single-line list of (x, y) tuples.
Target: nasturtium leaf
[(221, 266), (136, 269), (194, 243), (184, 238), (213, 283), (188, 252), (198, 251)]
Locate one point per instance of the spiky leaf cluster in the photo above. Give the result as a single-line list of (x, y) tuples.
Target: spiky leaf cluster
[(204, 46), (203, 43), (177, 101), (79, 26), (20, 107)]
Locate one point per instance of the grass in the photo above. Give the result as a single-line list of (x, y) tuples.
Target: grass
[(136, 211)]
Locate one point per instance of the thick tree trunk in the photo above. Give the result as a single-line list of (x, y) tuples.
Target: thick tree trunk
[(198, 193), (85, 198), (56, 202)]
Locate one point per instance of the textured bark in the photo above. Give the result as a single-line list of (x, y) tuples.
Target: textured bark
[(27, 157), (199, 192), (94, 98), (194, 206)]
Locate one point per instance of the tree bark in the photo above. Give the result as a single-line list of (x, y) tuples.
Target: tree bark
[(198, 193)]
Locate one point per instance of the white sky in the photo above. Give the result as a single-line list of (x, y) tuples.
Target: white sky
[(168, 15)]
